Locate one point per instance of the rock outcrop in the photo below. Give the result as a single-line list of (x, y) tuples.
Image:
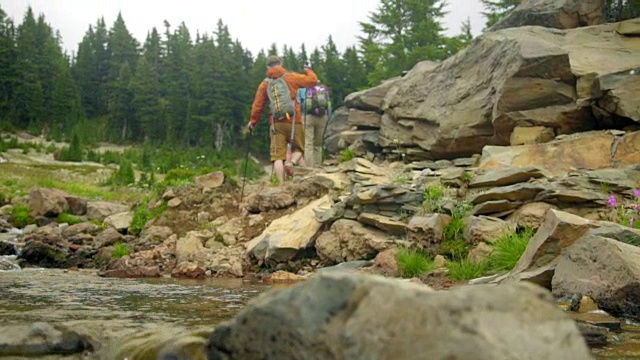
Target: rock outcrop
[(519, 85), (348, 316), (559, 14)]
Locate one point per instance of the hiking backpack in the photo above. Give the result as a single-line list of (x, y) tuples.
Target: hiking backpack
[(317, 102), (280, 101)]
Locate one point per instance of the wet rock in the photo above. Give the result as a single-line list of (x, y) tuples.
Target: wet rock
[(347, 266), (40, 339), (599, 319), (350, 316), (506, 176), (120, 221), (348, 240), (288, 235), (485, 229), (123, 271), (100, 210), (594, 336), (605, 270), (188, 270), (282, 277), (45, 255), (587, 305), (7, 248)]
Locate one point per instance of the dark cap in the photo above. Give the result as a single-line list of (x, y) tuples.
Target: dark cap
[(273, 60)]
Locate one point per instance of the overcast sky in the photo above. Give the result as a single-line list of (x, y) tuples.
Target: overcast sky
[(256, 23)]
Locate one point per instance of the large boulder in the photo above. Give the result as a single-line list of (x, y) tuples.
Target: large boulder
[(100, 210), (340, 315), (348, 240), (287, 236), (371, 99), (559, 14), (525, 76), (48, 202), (605, 270), (40, 339)]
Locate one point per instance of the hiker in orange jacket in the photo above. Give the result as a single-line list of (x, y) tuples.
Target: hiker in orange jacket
[(287, 141)]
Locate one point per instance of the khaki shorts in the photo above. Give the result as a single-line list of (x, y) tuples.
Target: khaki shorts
[(281, 137)]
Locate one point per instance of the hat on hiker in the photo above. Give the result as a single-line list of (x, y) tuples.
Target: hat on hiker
[(274, 60)]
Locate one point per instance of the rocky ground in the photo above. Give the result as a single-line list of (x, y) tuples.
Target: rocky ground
[(530, 127)]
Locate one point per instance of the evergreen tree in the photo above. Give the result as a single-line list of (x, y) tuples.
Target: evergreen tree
[(618, 10), (498, 9), (178, 82), (122, 120), (401, 33), (147, 101), (8, 76)]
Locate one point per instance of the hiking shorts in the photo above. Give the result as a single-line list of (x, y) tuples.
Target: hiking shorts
[(281, 137)]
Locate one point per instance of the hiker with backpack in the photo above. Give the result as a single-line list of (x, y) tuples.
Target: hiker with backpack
[(279, 88), (316, 107)]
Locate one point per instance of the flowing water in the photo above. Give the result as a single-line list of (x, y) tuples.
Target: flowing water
[(117, 312), (136, 318)]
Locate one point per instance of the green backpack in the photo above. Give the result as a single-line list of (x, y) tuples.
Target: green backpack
[(317, 102), (280, 101)]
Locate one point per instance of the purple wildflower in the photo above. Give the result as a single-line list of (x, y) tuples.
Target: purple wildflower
[(632, 222), (636, 193), (612, 201)]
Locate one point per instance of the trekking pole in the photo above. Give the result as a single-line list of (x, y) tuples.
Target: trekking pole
[(246, 161)]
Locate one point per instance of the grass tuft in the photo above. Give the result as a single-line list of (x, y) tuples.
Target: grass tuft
[(413, 263), (508, 249)]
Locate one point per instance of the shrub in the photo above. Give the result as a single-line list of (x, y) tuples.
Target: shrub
[(346, 155), (124, 175), (119, 251), (142, 214), (413, 263), (20, 216), (432, 199), (508, 249)]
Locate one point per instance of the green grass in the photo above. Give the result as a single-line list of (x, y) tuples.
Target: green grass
[(508, 249), (454, 244), (466, 269), (67, 218), (413, 263), (346, 155), (119, 251), (432, 199), (143, 214), (20, 216)]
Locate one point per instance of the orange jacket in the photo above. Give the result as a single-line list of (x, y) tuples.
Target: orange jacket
[(295, 82)]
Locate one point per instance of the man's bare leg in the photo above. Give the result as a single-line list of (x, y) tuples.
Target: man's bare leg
[(278, 165), (297, 157)]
